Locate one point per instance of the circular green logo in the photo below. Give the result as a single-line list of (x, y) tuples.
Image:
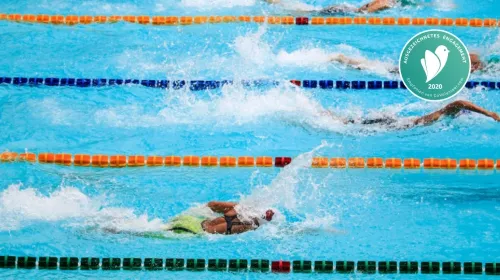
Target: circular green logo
[(434, 65)]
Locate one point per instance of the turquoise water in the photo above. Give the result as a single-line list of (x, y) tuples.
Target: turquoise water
[(322, 214)]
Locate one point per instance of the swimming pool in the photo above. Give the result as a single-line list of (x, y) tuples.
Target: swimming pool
[(324, 214)]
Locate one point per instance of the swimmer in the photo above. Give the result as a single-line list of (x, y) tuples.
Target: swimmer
[(476, 64), (451, 110), (371, 7), (229, 223)]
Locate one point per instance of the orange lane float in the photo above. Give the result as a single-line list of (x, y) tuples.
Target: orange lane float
[(46, 158), (404, 21), (374, 21), (375, 163), (143, 19), (244, 19), (29, 157), (131, 19), (8, 156), (461, 22), (86, 19), (259, 19), (431, 21), (209, 161), (118, 161), (42, 18), (57, 19), (100, 19), (317, 20), (448, 163), (228, 19), (200, 19), (476, 22), (171, 20), (467, 164), (154, 161), (186, 20), (273, 20), (485, 164), (81, 160), (176, 160), (338, 163), (29, 18), (159, 20), (395, 163), (411, 163), (356, 162), (432, 163), (320, 162), (215, 19), (418, 21), (264, 161), (189, 161), (490, 22), (72, 20), (388, 21), (100, 160), (136, 161), (63, 159), (114, 19), (359, 20), (15, 17), (246, 161), (446, 21), (227, 161), (287, 20)]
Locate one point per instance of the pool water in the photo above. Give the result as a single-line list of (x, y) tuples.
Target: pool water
[(50, 210)]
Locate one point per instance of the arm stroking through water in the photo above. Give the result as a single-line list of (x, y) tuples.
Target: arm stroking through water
[(452, 110)]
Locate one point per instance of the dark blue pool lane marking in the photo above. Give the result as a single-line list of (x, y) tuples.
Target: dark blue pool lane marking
[(211, 84), (254, 265)]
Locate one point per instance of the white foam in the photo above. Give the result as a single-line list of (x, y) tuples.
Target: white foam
[(19, 207), (444, 5), (216, 4), (295, 193), (253, 49)]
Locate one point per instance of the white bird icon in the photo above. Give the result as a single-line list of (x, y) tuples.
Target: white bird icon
[(434, 63)]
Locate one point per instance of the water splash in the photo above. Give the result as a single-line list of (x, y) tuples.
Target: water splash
[(216, 4), (254, 49), (19, 207)]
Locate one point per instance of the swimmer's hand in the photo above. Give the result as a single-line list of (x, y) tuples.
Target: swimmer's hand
[(494, 116)]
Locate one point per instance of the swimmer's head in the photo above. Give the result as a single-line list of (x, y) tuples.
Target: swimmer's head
[(269, 215), (475, 62)]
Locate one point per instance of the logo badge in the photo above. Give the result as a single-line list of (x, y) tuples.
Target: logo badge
[(434, 65)]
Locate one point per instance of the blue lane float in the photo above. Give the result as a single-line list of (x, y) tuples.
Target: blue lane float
[(197, 85)]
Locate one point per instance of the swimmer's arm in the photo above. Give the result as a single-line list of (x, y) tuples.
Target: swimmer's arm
[(221, 206), (376, 6), (453, 109), (273, 1), (340, 58)]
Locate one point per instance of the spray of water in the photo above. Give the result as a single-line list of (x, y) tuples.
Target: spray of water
[(293, 193)]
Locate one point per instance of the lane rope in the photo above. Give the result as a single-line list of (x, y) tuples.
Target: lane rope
[(272, 20), (196, 85), (254, 265), (118, 161)]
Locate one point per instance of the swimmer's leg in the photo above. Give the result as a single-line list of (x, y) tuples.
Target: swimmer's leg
[(452, 110)]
